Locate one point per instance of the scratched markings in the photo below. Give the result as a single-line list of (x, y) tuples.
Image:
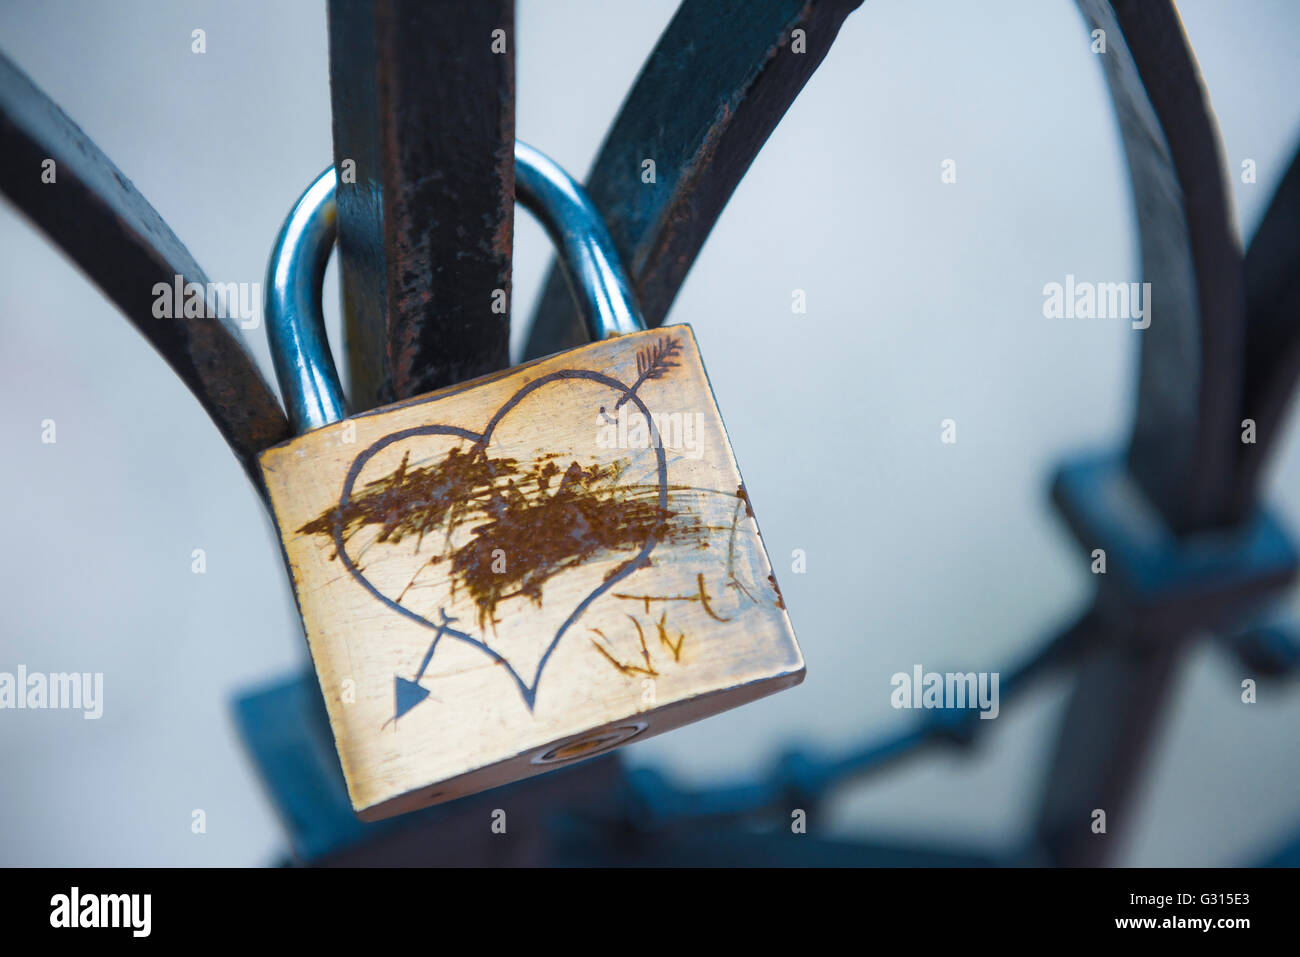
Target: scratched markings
[(529, 569)]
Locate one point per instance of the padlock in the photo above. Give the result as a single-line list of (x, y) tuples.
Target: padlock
[(524, 570)]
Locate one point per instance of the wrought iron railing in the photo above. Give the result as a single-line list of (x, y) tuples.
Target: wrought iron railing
[(1191, 549)]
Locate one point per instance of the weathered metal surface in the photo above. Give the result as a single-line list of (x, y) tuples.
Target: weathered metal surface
[(705, 102), (99, 219), (1272, 328), (1185, 444), (424, 108)]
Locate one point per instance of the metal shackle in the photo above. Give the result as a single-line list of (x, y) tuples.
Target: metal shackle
[(295, 325)]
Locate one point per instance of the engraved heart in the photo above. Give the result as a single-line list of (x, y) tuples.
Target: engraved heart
[(493, 537)]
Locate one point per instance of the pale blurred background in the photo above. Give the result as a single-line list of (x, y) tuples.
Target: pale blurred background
[(924, 303)]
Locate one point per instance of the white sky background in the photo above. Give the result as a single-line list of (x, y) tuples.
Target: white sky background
[(924, 302)]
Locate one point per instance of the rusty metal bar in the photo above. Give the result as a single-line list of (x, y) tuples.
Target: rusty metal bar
[(424, 128), (1105, 736), (1183, 454), (1272, 327), (1185, 443), (94, 214), (705, 102)]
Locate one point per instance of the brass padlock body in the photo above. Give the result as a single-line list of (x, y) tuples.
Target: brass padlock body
[(528, 569)]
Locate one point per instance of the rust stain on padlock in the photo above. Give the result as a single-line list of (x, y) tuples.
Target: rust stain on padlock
[(545, 526), (675, 647)]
